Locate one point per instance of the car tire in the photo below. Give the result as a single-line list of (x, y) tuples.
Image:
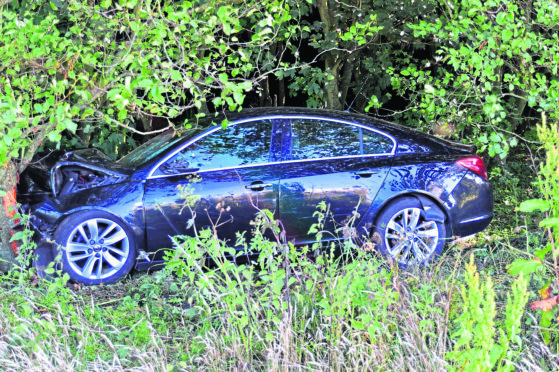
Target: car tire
[(404, 234), (96, 247)]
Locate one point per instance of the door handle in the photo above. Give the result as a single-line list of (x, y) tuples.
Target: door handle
[(258, 186), (365, 173)]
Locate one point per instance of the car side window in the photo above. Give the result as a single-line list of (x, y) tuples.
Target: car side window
[(236, 145), (314, 139)]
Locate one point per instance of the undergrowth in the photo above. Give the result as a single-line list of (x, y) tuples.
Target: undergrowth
[(289, 309)]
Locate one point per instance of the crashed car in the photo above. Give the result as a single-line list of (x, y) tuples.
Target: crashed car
[(405, 192)]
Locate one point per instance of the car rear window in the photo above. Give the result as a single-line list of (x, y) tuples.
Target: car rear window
[(315, 139)]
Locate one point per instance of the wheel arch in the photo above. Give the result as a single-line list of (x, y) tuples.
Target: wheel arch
[(426, 200), (64, 217)]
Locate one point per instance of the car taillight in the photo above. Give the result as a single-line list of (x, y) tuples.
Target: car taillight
[(474, 164)]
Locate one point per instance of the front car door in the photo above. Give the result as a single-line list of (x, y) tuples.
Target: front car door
[(343, 164), (220, 180)]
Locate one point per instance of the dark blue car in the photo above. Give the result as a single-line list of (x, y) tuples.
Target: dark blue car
[(404, 191)]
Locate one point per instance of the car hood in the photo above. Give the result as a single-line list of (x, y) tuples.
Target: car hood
[(62, 172)]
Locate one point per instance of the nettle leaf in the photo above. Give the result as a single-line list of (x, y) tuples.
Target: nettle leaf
[(534, 205), (540, 253), (550, 222), (495, 137), (239, 97), (524, 266)]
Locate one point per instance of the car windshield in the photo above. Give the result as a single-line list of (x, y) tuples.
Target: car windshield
[(155, 146)]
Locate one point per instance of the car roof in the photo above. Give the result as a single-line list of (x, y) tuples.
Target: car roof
[(300, 111), (286, 111), (400, 132)]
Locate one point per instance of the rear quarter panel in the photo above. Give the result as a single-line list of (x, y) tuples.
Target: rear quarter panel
[(473, 205), (433, 176)]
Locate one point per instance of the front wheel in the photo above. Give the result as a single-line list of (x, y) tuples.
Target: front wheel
[(404, 234), (96, 247)]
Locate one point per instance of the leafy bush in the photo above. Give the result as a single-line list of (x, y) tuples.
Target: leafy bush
[(543, 265)]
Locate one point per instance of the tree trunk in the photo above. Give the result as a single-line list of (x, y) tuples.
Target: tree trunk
[(8, 177), (331, 62), (264, 93), (346, 80), (281, 82), (331, 87), (7, 254)]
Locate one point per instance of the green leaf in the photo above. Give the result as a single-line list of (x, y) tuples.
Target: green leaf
[(545, 322), (524, 266), (239, 97), (146, 83), (540, 253), (550, 222), (501, 18), (495, 137), (507, 35), (313, 229), (20, 235), (176, 75), (131, 3), (222, 13), (534, 205), (54, 136), (70, 125)]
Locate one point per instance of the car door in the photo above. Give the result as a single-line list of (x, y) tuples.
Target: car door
[(343, 164), (220, 180)]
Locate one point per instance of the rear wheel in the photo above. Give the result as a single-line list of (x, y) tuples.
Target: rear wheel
[(404, 233), (96, 247)]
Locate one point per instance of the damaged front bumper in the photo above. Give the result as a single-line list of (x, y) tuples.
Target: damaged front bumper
[(44, 219)]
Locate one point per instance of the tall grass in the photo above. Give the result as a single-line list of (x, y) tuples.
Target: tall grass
[(289, 310)]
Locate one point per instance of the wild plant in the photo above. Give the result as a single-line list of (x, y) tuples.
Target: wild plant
[(285, 290), (542, 265), (477, 345)]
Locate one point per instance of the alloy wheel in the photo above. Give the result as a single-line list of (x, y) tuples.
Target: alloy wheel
[(97, 248), (409, 238)]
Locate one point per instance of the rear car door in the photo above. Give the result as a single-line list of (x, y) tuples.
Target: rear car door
[(219, 180), (343, 164)]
